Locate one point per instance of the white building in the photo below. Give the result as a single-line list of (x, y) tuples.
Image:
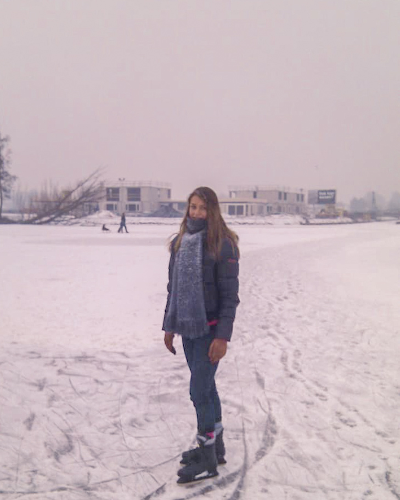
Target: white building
[(134, 197), (258, 200)]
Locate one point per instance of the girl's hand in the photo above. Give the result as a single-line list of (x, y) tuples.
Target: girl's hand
[(217, 350), (169, 342)]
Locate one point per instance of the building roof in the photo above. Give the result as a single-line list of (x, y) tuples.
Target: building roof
[(258, 187), (244, 200), (122, 182)]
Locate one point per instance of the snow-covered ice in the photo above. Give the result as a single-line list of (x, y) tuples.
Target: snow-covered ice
[(92, 405)]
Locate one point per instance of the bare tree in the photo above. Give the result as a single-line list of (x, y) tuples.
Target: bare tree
[(53, 204), (6, 179)]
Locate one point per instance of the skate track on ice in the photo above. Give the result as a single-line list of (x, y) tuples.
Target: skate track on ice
[(310, 386)]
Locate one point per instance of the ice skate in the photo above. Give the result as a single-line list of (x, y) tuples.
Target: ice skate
[(204, 463), (194, 454)]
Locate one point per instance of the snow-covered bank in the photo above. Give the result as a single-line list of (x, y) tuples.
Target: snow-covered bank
[(111, 219), (93, 406)]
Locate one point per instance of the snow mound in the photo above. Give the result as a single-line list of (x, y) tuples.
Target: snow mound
[(102, 214)]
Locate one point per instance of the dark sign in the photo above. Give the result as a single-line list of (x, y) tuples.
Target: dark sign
[(326, 196)]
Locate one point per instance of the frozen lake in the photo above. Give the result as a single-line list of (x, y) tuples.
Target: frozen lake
[(92, 405)]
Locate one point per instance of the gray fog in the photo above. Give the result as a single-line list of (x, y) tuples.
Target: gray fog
[(302, 94)]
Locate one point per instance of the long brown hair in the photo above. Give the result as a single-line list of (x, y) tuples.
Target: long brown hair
[(217, 228)]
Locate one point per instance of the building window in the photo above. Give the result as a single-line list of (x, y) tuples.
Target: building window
[(133, 194), (239, 210), (112, 194), (285, 196), (110, 207), (302, 198), (254, 194), (231, 209), (132, 207), (169, 194), (280, 195), (297, 197)]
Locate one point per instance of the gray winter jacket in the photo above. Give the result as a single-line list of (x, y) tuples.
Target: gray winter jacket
[(221, 287)]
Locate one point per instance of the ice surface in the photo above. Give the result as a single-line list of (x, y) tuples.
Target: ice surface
[(93, 406)]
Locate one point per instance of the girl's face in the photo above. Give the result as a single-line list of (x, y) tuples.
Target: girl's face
[(197, 208)]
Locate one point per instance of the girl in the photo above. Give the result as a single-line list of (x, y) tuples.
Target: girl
[(202, 299)]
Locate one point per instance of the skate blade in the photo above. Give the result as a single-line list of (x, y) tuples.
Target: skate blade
[(220, 461), (199, 477)]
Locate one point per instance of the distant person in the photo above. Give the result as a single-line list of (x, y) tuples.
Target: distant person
[(202, 299), (122, 224), (104, 228)]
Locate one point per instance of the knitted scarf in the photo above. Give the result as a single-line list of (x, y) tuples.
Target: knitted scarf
[(186, 314)]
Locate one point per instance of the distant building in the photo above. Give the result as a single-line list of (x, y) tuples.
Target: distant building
[(138, 197), (134, 197), (258, 200)]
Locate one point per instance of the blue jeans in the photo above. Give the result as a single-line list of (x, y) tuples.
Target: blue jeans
[(203, 391)]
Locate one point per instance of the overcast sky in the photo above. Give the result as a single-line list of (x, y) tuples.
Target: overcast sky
[(297, 93)]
